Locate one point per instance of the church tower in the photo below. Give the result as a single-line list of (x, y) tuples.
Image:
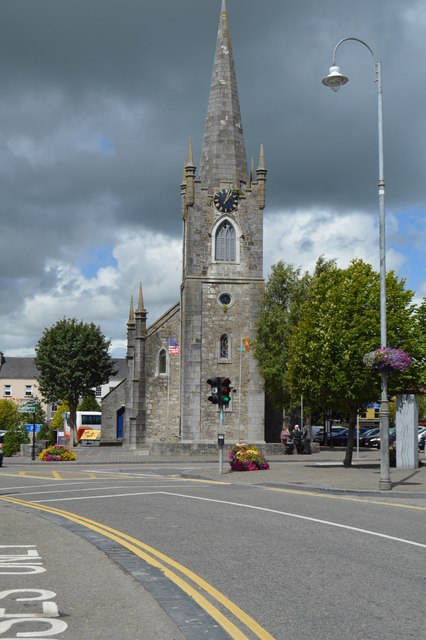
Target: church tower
[(222, 279)]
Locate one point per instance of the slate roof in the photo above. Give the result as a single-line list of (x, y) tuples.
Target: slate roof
[(24, 368), (120, 365), (14, 368)]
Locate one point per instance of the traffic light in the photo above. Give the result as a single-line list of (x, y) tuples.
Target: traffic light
[(225, 392), (215, 384)]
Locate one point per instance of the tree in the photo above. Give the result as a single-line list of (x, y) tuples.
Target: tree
[(420, 314), (340, 322), (89, 403), (9, 416), (72, 357), (284, 294)]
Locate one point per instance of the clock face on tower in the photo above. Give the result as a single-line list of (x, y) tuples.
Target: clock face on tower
[(226, 200)]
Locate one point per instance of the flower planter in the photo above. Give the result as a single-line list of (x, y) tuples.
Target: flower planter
[(57, 453), (246, 457)]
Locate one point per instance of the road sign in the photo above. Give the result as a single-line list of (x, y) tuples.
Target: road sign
[(27, 409), (30, 427)]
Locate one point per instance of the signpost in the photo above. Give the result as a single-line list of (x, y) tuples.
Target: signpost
[(31, 407)]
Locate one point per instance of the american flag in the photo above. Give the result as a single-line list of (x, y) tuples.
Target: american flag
[(174, 348)]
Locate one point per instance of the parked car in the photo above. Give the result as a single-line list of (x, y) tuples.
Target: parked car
[(335, 431), (422, 438), (375, 442), (315, 429), (365, 439)]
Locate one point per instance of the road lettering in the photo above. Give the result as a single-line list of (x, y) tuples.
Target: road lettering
[(27, 612)]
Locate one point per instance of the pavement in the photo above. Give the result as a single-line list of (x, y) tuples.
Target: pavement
[(322, 471)]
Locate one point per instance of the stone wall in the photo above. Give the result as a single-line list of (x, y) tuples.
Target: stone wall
[(111, 404)]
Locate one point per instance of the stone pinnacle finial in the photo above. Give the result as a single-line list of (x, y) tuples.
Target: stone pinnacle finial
[(190, 159), (131, 312), (140, 301), (261, 164)]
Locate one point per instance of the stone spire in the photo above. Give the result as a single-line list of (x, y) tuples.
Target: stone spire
[(131, 312), (223, 157), (140, 301), (140, 316)]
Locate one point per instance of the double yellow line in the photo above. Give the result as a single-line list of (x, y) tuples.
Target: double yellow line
[(168, 566)]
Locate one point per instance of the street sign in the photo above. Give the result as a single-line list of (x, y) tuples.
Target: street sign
[(30, 427), (27, 409)]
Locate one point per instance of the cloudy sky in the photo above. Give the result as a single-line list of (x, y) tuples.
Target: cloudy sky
[(98, 99)]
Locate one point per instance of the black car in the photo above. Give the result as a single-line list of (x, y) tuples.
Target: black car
[(365, 438), (375, 442), (335, 431)]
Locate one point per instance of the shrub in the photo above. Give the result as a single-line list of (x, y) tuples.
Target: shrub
[(13, 438)]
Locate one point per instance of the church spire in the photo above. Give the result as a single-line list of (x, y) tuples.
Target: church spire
[(223, 157)]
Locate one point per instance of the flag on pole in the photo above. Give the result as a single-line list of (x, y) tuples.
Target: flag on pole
[(174, 348), (245, 346)]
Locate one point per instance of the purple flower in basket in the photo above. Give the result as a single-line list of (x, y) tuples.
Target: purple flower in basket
[(387, 359)]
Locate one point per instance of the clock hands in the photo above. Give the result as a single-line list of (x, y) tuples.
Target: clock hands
[(228, 195)]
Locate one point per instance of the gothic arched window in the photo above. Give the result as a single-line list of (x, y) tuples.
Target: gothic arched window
[(224, 347), (225, 242), (162, 362)]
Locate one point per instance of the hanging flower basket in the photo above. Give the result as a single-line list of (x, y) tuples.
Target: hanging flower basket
[(388, 359), (246, 457)]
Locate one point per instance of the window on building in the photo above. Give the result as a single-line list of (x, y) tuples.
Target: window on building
[(162, 362), (225, 247), (98, 392), (7, 390), (28, 390), (225, 347)]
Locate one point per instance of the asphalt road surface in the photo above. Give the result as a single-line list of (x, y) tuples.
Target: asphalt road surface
[(135, 552)]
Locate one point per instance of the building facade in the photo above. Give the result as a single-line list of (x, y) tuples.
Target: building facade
[(208, 332)]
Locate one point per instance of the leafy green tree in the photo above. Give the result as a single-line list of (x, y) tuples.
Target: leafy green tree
[(284, 294), (340, 322), (9, 416), (421, 332), (72, 357), (57, 422), (89, 403), (48, 432)]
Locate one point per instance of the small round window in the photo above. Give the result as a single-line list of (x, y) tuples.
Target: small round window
[(225, 299)]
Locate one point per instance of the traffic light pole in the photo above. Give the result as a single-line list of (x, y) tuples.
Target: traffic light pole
[(33, 446), (221, 440)]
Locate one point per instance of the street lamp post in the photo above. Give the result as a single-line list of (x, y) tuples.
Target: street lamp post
[(335, 80)]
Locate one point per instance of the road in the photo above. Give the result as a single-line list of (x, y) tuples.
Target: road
[(238, 561)]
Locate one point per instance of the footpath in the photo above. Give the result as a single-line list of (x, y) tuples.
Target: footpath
[(321, 471)]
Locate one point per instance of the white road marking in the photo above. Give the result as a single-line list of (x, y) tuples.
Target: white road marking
[(307, 518), (244, 506), (67, 491)]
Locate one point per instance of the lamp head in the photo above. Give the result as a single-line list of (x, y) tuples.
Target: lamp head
[(335, 79)]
